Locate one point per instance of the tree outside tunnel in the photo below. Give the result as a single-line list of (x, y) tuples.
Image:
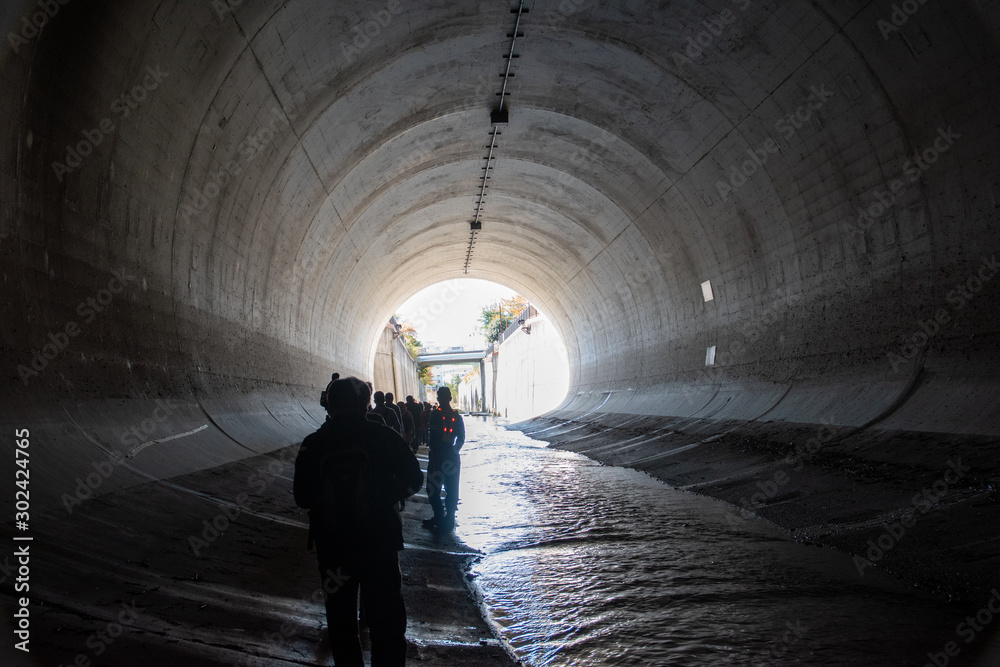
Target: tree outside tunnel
[(521, 367), (413, 346), (496, 317)]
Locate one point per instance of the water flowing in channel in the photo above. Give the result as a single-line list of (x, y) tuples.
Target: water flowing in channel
[(593, 565)]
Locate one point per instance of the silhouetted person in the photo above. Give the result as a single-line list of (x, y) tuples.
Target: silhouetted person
[(322, 396), (371, 416), (447, 435), (390, 402), (415, 409), (383, 411), (351, 474), (425, 415), (409, 431)]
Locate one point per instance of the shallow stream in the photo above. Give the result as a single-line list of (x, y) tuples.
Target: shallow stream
[(595, 565)]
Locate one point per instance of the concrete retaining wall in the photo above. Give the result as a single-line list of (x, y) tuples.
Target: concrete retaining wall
[(395, 369), (528, 372), (470, 393)]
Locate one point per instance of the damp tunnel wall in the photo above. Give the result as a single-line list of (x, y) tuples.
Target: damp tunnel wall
[(248, 190)]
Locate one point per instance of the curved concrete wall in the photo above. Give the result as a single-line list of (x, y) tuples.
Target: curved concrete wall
[(271, 179), (394, 369)]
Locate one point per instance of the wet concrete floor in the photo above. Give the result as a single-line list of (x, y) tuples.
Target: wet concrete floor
[(211, 568)]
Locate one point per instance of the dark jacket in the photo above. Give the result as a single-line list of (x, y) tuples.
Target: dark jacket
[(447, 431), (415, 409), (394, 469), (387, 415), (409, 429)]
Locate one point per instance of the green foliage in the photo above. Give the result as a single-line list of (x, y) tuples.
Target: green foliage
[(453, 385), (413, 346), (410, 340), (496, 317)]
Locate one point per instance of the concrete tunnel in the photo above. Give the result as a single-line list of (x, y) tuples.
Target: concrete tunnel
[(756, 225)]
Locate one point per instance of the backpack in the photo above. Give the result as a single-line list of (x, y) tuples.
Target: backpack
[(347, 492), (443, 431)]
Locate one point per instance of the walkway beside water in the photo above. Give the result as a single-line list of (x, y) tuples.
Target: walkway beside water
[(211, 569)]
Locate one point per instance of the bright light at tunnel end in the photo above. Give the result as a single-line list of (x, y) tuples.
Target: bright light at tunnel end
[(525, 375)]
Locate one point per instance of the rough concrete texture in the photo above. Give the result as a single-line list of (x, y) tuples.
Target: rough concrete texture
[(211, 569), (270, 179)]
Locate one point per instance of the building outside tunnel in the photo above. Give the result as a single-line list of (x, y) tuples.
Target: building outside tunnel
[(766, 233)]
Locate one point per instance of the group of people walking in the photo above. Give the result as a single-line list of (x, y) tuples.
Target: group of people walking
[(410, 419), (353, 475)]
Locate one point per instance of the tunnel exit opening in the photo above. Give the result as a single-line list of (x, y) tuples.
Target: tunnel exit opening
[(497, 351)]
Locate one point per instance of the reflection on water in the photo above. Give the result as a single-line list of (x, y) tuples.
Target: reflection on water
[(595, 565)]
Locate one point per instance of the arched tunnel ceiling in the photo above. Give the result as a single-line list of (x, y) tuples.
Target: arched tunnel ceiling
[(292, 179), (563, 74)]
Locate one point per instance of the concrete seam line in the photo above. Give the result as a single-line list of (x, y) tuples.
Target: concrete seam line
[(139, 448)]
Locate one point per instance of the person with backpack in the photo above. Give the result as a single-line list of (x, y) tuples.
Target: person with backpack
[(447, 435), (383, 411), (352, 474)]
